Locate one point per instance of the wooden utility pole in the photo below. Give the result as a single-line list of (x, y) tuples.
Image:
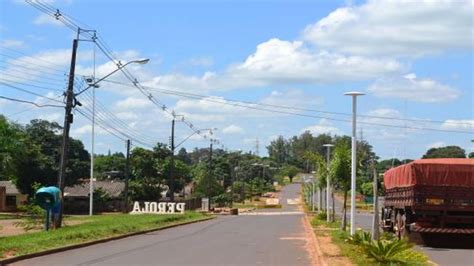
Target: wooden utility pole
[(210, 176), (171, 170), (68, 119)]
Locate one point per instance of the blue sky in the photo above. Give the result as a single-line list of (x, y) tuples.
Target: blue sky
[(413, 59)]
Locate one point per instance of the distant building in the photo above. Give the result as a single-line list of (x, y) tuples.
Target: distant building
[(76, 198), (10, 197)]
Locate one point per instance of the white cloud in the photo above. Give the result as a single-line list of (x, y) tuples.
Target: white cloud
[(17, 44), (282, 62), (232, 130), (461, 124), (133, 103), (396, 28), (414, 89), (87, 130), (127, 115), (293, 98), (56, 117), (277, 61), (436, 144), (323, 127), (45, 19)]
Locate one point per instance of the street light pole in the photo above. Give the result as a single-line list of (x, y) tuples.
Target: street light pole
[(94, 84), (354, 95), (328, 183)]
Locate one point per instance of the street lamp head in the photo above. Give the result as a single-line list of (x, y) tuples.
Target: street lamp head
[(354, 93), (141, 61), (328, 145)]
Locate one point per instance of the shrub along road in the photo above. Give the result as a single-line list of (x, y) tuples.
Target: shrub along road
[(236, 240)]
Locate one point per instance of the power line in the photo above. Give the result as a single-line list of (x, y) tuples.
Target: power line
[(29, 92), (206, 98), (107, 114), (29, 102), (254, 107)]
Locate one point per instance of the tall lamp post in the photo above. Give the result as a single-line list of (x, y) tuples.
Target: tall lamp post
[(328, 183), (92, 83), (354, 95)]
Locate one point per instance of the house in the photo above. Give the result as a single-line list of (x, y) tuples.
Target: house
[(10, 197), (76, 198)]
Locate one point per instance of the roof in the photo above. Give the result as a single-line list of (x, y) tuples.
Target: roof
[(436, 172), (10, 188), (113, 188)]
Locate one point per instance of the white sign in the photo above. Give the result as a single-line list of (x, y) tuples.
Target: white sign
[(158, 207), (205, 204)]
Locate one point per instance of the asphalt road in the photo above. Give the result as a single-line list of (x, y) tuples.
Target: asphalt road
[(262, 239)]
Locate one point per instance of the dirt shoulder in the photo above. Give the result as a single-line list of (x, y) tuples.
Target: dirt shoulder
[(330, 252)]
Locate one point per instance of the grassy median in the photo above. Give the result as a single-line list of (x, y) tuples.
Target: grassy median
[(92, 228)]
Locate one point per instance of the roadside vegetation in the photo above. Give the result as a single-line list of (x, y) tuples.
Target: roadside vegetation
[(90, 229), (360, 249)]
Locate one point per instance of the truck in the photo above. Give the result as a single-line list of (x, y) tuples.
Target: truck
[(429, 196)]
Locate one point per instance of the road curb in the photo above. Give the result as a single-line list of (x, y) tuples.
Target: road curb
[(90, 243)]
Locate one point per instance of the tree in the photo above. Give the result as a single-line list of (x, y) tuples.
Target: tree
[(445, 152), (471, 155), (290, 171), (206, 185), (12, 148), (279, 150), (109, 163), (40, 162), (340, 172), (184, 156)]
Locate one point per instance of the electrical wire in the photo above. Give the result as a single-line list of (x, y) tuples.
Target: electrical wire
[(27, 91), (253, 106), (29, 102)]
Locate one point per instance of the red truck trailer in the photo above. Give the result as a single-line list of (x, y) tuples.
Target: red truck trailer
[(430, 196)]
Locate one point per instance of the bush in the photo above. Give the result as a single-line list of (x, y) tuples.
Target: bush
[(222, 199), (386, 252), (322, 216), (35, 217), (360, 238)]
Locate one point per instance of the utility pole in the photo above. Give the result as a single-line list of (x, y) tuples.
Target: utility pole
[(210, 176), (375, 222), (68, 119), (171, 173), (127, 175), (232, 177)]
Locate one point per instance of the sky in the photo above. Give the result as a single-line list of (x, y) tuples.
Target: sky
[(251, 69)]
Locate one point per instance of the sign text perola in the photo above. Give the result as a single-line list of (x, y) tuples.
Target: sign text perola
[(158, 207)]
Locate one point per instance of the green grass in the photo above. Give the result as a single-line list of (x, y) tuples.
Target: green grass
[(8, 216), (356, 254), (93, 228)]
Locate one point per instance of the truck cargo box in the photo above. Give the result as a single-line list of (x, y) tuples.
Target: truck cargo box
[(432, 172)]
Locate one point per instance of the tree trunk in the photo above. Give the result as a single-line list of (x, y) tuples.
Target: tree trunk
[(333, 214), (344, 208)]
